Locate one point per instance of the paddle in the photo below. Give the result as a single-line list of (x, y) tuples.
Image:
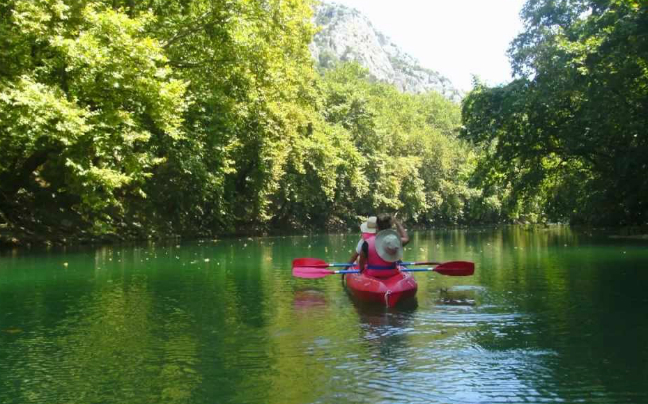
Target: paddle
[(451, 268), (314, 262)]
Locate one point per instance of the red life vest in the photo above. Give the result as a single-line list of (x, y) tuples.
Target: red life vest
[(367, 236), (376, 266)]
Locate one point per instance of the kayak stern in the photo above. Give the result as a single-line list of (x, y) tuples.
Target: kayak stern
[(387, 291)]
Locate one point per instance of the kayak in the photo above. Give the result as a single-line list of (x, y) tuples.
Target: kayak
[(387, 291)]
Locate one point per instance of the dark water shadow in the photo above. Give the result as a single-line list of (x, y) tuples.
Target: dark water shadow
[(456, 297), (385, 330)]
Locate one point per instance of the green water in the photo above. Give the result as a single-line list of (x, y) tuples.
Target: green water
[(550, 316)]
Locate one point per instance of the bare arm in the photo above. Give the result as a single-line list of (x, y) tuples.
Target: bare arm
[(401, 232), (356, 253), (362, 261)]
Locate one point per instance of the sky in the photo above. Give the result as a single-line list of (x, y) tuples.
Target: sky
[(457, 38)]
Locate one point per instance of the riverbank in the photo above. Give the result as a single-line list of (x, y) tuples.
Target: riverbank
[(632, 237), (67, 234)]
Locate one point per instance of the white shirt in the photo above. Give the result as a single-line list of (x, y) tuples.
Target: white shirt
[(359, 247)]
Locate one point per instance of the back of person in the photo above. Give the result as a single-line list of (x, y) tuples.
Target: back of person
[(368, 230), (376, 265), (378, 254)]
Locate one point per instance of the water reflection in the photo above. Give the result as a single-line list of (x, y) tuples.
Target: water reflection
[(385, 328), (308, 299), (550, 316)]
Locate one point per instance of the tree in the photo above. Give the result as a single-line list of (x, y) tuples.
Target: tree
[(550, 134), (411, 157), (82, 91)]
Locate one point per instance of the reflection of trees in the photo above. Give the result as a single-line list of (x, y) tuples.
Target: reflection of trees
[(227, 297), (108, 345), (563, 307), (226, 321), (301, 371)]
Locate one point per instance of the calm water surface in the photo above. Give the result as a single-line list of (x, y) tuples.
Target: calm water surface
[(550, 316)]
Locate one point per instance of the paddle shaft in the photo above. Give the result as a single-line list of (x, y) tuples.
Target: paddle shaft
[(355, 271), (452, 268), (318, 263), (350, 264)]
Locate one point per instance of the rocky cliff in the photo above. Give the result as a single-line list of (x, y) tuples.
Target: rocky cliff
[(347, 35)]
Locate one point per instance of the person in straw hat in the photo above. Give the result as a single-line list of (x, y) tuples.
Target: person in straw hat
[(380, 253), (368, 229)]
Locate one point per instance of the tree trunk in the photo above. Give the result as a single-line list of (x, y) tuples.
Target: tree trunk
[(12, 182)]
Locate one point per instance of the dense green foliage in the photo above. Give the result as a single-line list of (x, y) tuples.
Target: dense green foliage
[(196, 117), (567, 139), (203, 117), (412, 159)]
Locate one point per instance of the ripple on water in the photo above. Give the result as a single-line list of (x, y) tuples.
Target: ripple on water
[(139, 330)]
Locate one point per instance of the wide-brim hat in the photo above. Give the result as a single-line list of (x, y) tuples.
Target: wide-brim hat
[(370, 226), (389, 246)]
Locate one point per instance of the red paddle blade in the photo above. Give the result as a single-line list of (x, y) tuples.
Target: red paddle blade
[(456, 268), (309, 262), (311, 272)]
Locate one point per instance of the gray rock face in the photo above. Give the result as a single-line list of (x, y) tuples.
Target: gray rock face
[(347, 35)]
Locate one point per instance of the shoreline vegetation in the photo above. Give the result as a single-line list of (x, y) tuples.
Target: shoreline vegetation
[(124, 120), (22, 238)]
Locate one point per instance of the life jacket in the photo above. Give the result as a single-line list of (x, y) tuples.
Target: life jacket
[(376, 266), (367, 236)]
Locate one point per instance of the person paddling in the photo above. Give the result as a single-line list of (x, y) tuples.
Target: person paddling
[(379, 255)]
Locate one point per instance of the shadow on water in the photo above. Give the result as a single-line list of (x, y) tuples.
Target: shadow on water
[(385, 329)]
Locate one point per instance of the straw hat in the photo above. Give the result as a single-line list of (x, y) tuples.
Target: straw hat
[(389, 246), (370, 225)]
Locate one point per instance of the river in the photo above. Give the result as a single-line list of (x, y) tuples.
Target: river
[(550, 316)]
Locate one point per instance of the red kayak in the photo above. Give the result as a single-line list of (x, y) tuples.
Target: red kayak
[(387, 291)]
